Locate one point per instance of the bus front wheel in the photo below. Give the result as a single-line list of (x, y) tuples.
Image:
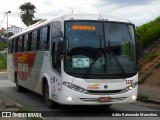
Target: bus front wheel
[(47, 101)]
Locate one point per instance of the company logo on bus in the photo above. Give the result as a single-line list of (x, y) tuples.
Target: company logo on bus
[(23, 64), (93, 87), (106, 86)]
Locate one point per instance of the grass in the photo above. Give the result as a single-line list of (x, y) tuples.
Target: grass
[(3, 45), (149, 32), (149, 57), (29, 109), (3, 70), (3, 62), (26, 109)]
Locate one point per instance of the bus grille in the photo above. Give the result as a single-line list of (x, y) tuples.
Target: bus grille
[(97, 99), (100, 92)]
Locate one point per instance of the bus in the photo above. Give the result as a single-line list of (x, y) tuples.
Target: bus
[(76, 59)]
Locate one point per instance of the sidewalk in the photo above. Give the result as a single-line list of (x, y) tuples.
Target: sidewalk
[(3, 75), (6, 103), (152, 93)]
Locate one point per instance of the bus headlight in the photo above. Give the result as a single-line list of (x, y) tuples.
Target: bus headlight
[(74, 87), (129, 87)]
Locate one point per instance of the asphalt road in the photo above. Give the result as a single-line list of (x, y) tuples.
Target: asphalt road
[(35, 101)]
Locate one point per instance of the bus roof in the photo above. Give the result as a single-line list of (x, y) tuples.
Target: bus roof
[(74, 17), (93, 17)]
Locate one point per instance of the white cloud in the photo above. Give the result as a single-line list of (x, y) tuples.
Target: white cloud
[(137, 11)]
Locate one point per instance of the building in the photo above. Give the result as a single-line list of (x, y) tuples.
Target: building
[(14, 29), (2, 31)]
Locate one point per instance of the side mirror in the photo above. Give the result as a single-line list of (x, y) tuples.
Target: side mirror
[(60, 48)]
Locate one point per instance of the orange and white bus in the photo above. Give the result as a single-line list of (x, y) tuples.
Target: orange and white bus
[(76, 59)]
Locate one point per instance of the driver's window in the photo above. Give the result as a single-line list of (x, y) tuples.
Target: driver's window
[(44, 38), (56, 37)]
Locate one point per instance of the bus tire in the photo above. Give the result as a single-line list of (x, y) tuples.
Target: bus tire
[(18, 87), (47, 101), (104, 106), (107, 106)]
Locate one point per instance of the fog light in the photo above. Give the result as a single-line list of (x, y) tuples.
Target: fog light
[(134, 97), (69, 98)]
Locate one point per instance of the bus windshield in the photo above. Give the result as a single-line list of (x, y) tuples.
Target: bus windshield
[(106, 48)]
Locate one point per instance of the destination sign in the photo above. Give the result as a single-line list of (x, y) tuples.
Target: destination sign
[(83, 27)]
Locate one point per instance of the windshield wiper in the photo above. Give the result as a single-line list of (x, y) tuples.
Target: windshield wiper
[(94, 60), (116, 59)]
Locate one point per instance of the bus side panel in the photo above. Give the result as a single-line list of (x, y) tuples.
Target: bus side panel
[(36, 70), (10, 67), (23, 63)]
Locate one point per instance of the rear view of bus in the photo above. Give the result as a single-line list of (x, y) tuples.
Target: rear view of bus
[(100, 62)]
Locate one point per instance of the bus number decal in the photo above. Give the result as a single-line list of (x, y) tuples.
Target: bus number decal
[(129, 81)]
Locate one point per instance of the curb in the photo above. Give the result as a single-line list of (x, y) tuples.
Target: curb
[(18, 105), (150, 101), (2, 73), (10, 100)]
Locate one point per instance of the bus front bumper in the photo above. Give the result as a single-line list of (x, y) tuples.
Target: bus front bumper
[(70, 97)]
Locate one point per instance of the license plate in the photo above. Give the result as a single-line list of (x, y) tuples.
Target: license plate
[(105, 99)]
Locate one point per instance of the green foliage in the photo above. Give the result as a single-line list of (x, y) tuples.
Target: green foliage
[(149, 32), (27, 13), (29, 109), (2, 45), (26, 109), (3, 62), (35, 21), (150, 57)]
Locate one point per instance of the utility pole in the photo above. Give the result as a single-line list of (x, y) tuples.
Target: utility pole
[(7, 21)]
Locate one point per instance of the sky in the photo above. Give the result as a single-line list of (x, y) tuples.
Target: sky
[(137, 11)]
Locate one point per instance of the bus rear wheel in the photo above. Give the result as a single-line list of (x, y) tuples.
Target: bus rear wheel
[(18, 87), (47, 101)]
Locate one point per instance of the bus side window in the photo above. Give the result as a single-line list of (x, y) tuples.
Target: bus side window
[(12, 46), (15, 45), (33, 40), (29, 41), (25, 42), (20, 44), (56, 37), (44, 38)]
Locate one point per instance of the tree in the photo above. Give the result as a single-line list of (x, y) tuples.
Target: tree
[(27, 13), (9, 34), (35, 21)]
